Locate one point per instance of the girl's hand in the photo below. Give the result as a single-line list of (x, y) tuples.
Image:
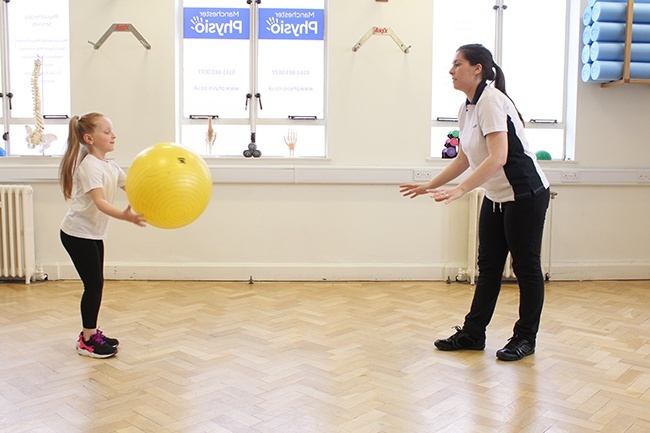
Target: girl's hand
[(412, 190), (137, 219)]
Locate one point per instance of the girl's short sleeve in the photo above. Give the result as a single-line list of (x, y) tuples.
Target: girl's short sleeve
[(89, 175)]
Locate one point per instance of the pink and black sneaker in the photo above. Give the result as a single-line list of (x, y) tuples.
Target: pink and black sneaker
[(95, 347), (113, 342)]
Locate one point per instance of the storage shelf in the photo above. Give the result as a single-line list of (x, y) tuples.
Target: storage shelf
[(629, 20), (626, 81)]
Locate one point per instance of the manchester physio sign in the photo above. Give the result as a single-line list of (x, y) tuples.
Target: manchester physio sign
[(303, 24), (233, 23), (213, 23)]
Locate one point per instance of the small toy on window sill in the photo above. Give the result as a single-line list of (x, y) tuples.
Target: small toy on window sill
[(451, 144)]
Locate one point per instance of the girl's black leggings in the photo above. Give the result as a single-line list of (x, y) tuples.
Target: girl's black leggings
[(516, 227), (88, 258)]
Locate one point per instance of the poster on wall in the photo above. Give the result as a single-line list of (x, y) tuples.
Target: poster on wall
[(39, 29), (219, 58), (291, 58), (216, 75)]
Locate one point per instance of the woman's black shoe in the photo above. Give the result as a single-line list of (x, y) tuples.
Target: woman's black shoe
[(517, 348), (461, 340)]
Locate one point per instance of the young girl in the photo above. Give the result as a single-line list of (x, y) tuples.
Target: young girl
[(494, 147), (91, 181)]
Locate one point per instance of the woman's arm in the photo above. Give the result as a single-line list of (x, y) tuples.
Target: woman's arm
[(497, 144), (454, 169)]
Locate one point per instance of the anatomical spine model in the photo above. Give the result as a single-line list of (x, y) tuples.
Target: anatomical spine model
[(36, 136)]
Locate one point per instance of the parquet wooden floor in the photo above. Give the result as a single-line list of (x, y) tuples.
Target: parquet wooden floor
[(321, 358)]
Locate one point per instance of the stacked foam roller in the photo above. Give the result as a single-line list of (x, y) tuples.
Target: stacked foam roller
[(603, 39)]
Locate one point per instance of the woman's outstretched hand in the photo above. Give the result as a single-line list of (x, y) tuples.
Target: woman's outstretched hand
[(412, 190), (445, 195)]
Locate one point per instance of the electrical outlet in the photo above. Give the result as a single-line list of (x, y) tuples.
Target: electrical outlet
[(422, 175), (570, 176), (643, 177)]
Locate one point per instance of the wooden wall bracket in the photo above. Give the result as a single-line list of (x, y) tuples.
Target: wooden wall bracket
[(119, 27), (381, 31)]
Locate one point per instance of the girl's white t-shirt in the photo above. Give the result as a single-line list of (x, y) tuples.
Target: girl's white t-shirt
[(83, 219)]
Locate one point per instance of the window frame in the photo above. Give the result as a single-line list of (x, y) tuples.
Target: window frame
[(10, 122), (563, 124), (254, 119)]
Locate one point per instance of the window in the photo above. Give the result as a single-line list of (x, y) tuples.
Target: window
[(534, 64), (35, 61), (256, 73)]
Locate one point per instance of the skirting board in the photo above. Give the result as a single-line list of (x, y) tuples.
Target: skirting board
[(333, 271), (266, 272)]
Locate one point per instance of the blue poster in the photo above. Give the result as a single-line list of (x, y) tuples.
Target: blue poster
[(296, 24), (213, 23)]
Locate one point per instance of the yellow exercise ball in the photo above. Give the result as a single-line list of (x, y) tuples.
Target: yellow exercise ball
[(169, 184)]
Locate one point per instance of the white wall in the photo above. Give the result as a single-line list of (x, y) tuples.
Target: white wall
[(340, 218)]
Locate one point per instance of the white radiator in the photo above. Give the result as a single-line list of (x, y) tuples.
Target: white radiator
[(475, 201), (17, 255)]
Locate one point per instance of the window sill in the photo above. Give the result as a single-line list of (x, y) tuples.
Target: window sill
[(314, 171)]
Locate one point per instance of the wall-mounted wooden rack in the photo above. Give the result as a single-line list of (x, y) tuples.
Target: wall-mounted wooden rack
[(629, 20), (119, 27), (381, 31)]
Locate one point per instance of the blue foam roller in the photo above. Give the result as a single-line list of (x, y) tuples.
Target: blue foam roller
[(586, 16), (592, 2), (610, 71), (617, 12), (586, 72), (586, 54), (616, 51), (586, 35), (615, 32)]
